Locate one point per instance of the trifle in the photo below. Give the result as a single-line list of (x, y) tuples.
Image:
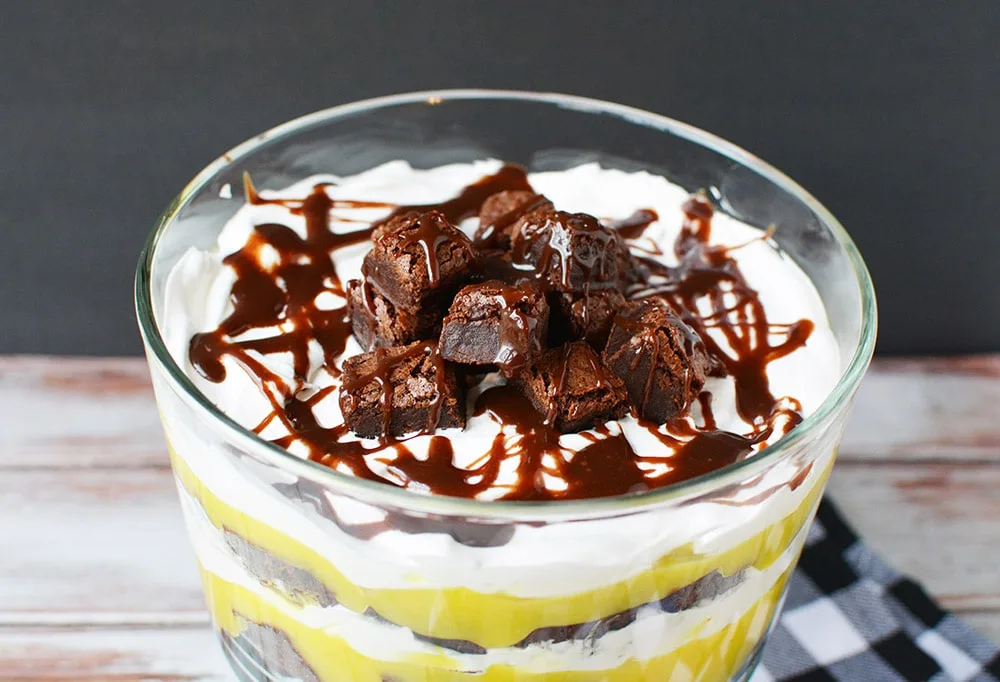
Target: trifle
[(448, 404)]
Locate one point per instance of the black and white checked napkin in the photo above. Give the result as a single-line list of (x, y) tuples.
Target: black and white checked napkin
[(851, 618)]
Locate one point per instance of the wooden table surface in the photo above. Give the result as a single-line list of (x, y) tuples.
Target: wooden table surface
[(97, 581)]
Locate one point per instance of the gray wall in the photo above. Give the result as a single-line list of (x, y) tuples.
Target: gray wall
[(889, 112)]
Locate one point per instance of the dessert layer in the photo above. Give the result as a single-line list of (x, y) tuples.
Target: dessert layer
[(259, 322), (387, 548), (642, 633), (453, 613), (702, 646)]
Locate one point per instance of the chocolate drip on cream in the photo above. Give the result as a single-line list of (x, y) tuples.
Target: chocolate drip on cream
[(385, 363), (709, 272), (282, 296), (635, 225)]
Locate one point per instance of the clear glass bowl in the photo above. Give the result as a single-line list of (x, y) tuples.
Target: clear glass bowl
[(437, 588)]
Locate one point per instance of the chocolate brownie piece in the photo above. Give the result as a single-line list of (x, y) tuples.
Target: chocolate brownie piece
[(571, 387), (499, 265), (499, 213), (416, 258), (662, 361), (631, 270), (377, 323), (589, 316), (294, 583), (398, 391), (572, 252), (493, 323)]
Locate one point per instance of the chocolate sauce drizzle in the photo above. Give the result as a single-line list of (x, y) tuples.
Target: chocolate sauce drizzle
[(635, 225), (384, 365), (544, 247), (282, 297), (429, 236), (709, 272)]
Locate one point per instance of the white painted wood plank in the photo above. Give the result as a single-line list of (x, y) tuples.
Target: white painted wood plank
[(934, 408), (108, 546), (105, 542), (115, 655), (938, 522), (78, 412)]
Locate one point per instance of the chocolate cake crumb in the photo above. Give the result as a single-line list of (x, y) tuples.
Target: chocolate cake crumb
[(377, 323), (398, 391), (496, 324), (499, 213), (261, 652), (661, 360), (571, 387), (416, 258)]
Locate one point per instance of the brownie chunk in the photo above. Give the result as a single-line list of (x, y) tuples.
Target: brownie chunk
[(377, 323), (572, 252), (662, 361), (497, 265), (589, 316), (416, 258), (392, 392), (631, 270), (499, 213), (571, 387), (493, 323)]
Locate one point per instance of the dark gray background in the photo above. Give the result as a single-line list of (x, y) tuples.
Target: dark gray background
[(889, 112)]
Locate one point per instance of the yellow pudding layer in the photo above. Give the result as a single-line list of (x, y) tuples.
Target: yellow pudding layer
[(712, 658), (457, 612)]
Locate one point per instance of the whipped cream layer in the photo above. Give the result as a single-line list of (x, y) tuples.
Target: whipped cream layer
[(198, 300), (547, 561), (654, 632)]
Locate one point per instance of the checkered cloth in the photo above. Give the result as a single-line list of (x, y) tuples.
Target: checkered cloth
[(851, 618)]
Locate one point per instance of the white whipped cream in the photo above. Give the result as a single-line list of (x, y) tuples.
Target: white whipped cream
[(197, 298), (653, 633), (551, 560)]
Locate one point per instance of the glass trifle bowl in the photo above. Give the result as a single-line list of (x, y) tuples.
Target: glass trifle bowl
[(313, 572)]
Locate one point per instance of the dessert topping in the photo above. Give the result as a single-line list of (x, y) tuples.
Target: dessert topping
[(657, 352), (661, 360), (501, 211), (397, 391), (493, 323)]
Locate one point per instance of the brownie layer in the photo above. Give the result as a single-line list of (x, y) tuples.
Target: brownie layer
[(455, 613), (300, 587), (714, 654), (259, 653)]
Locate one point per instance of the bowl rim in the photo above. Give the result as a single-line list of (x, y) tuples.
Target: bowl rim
[(384, 494)]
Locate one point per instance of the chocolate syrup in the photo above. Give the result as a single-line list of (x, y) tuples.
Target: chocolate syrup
[(284, 295), (385, 363), (517, 322), (546, 246), (635, 225), (429, 235), (486, 235), (701, 274), (608, 466)]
